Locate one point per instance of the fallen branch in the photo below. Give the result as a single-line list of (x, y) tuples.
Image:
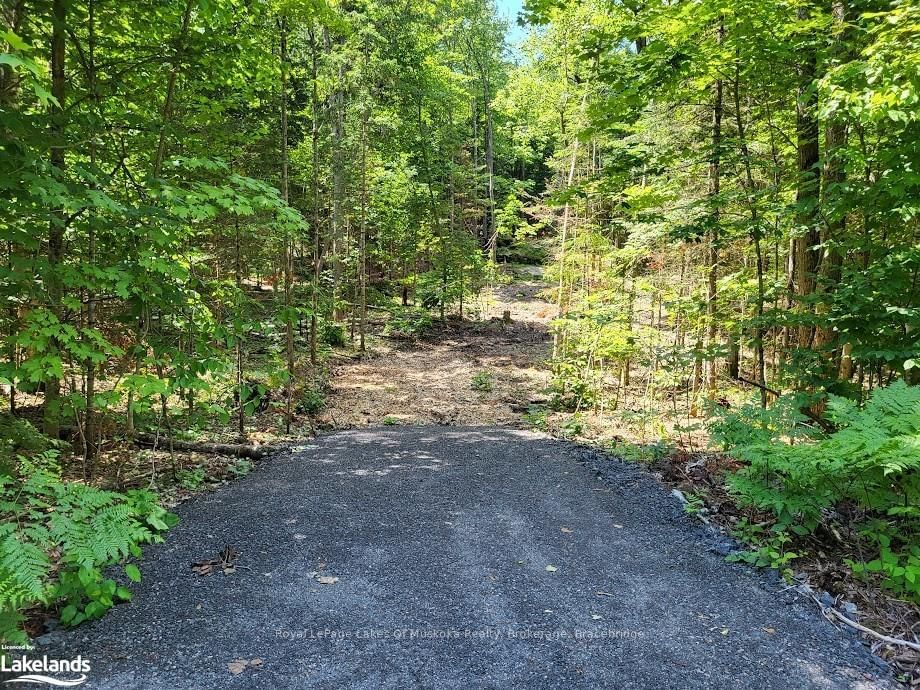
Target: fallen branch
[(234, 450), (832, 612)]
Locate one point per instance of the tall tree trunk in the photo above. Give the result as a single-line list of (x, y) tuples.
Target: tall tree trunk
[(362, 237), (756, 235), (835, 133), (491, 232), (338, 183), (712, 259), (12, 16), (238, 273), (314, 181), (89, 416), (288, 240), (808, 188), (57, 226), (560, 298)]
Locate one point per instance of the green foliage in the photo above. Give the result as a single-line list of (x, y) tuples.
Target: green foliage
[(572, 427), (57, 537), (407, 322), (312, 400), (482, 381), (18, 436), (333, 334), (240, 467), (523, 252), (770, 547), (536, 418), (191, 479), (644, 453), (872, 462), (694, 504)]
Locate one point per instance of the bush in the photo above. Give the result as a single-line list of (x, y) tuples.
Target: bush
[(57, 537), (407, 322), (312, 400), (332, 334), (19, 436), (868, 468)]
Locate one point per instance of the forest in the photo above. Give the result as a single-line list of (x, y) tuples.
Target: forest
[(207, 203)]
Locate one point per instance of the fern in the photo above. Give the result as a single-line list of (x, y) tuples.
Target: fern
[(872, 461), (57, 537)]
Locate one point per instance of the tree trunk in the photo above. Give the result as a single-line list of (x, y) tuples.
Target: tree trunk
[(362, 238), (560, 300), (807, 239), (338, 184), (835, 133), (756, 236), (54, 284), (288, 241), (715, 162), (491, 233), (314, 181), (89, 416), (238, 272)]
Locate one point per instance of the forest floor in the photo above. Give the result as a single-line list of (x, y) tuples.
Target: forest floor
[(463, 372)]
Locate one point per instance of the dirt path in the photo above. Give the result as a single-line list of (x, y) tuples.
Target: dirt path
[(454, 558), (462, 373)]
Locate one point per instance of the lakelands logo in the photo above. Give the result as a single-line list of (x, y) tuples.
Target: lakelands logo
[(38, 670)]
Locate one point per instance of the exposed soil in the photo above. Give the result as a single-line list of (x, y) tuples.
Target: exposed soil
[(470, 373)]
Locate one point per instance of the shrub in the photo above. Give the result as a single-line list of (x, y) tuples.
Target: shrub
[(332, 333), (407, 322), (191, 479), (312, 400), (871, 465), (19, 436), (57, 538), (482, 381)]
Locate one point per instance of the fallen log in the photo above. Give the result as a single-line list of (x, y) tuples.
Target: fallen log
[(232, 449)]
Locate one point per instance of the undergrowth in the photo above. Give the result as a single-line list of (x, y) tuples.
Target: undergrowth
[(865, 475), (58, 537)]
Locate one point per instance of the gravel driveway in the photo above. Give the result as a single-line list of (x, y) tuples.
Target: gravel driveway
[(465, 557)]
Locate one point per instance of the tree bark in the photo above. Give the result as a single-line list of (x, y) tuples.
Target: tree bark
[(338, 183), (314, 181), (835, 134), (234, 450), (58, 223), (756, 236), (715, 172), (808, 187), (288, 240)]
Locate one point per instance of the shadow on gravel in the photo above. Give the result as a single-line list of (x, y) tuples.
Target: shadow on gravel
[(455, 557)]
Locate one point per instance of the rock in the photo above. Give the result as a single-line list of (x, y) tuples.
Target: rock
[(46, 639), (850, 610), (826, 600), (722, 547)]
